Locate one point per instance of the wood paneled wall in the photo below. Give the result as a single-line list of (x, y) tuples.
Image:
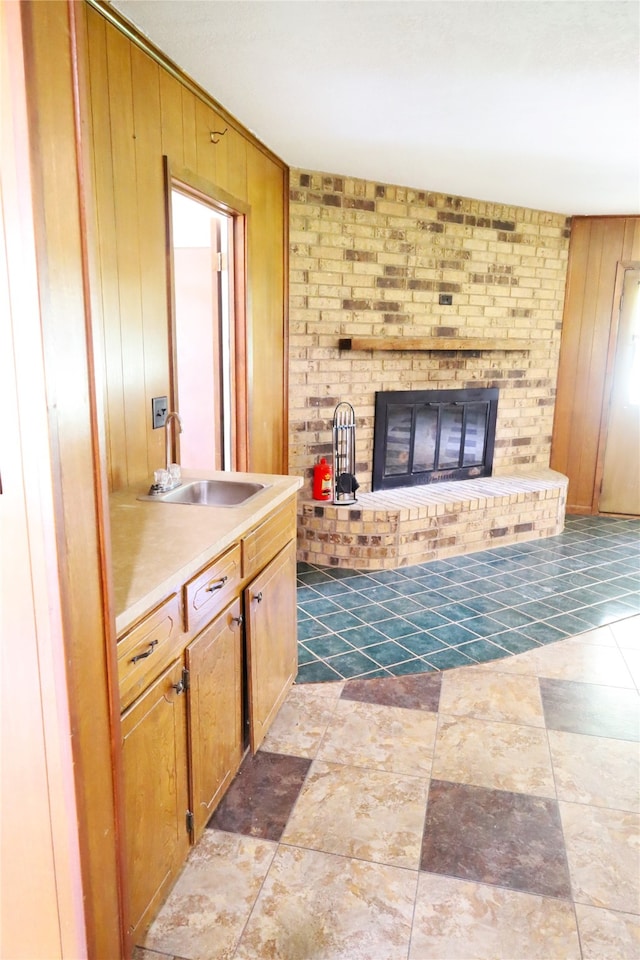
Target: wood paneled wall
[(141, 111), (74, 476), (597, 245)]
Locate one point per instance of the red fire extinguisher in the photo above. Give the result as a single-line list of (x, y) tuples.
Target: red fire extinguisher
[(322, 481)]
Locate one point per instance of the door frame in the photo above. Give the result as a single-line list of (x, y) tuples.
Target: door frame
[(198, 188)]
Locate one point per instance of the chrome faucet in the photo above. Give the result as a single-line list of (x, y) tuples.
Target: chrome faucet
[(170, 416), (168, 478)]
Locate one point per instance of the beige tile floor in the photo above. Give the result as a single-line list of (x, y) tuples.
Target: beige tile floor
[(493, 828)]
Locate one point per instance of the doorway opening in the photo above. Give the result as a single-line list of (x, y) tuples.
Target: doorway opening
[(208, 323)]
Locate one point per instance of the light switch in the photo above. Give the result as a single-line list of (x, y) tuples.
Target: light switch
[(159, 410)]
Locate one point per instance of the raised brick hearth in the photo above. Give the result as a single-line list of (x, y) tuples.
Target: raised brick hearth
[(397, 528)]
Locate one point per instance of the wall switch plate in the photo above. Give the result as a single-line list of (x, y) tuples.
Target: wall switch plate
[(159, 411), (445, 299)]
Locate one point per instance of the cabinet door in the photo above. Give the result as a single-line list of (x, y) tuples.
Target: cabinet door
[(154, 760), (272, 648), (214, 660)]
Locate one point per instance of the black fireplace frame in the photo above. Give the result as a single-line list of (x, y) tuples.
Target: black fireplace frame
[(386, 399)]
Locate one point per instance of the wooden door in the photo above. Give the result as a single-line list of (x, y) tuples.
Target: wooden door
[(598, 245), (620, 491), (272, 647), (154, 759), (214, 661)]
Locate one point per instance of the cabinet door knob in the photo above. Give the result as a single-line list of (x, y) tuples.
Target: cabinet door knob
[(258, 597), (183, 683), (239, 620), (147, 653), (216, 585)]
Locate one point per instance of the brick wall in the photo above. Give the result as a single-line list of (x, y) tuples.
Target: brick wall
[(370, 259)]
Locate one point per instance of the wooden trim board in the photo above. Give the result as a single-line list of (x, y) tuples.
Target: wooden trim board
[(432, 343)]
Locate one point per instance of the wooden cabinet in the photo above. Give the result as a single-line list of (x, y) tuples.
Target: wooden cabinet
[(154, 758), (214, 662), (230, 627), (272, 654), (268, 538)]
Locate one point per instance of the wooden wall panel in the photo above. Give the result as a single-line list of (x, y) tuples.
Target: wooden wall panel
[(221, 151), (77, 473), (598, 244), (127, 246), (140, 111), (189, 135), (213, 158), (114, 399), (267, 336), (151, 232), (171, 119), (236, 164), (206, 151)]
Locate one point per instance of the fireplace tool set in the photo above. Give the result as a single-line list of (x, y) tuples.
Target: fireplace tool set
[(344, 455)]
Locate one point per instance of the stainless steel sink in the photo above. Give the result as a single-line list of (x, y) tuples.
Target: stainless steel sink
[(211, 493)]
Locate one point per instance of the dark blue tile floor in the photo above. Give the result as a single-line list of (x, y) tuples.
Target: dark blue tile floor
[(470, 609)]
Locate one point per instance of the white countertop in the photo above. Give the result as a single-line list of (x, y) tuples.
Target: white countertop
[(155, 547)]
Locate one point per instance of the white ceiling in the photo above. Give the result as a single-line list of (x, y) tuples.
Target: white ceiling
[(527, 102)]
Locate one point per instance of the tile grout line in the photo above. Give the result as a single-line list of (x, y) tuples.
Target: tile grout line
[(562, 831), (255, 901)]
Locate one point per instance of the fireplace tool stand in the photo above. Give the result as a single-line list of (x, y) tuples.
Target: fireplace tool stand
[(344, 455)]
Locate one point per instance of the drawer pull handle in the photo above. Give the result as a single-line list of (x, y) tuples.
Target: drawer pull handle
[(239, 620), (218, 585), (147, 653), (258, 597)]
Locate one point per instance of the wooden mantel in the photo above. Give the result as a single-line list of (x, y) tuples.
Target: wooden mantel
[(432, 343)]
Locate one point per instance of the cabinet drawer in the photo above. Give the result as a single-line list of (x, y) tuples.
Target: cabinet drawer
[(259, 546), (147, 648), (212, 588)]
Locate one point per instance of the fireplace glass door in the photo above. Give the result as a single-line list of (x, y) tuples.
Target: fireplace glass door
[(428, 436)]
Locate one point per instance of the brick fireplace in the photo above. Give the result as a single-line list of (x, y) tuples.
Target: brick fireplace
[(399, 289)]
